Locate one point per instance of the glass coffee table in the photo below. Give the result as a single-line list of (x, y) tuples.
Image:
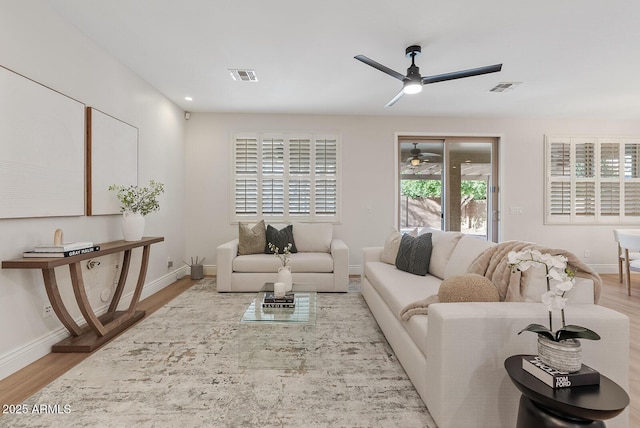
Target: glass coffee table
[(279, 338)]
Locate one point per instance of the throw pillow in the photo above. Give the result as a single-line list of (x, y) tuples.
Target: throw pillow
[(469, 287), (251, 240), (391, 245), (414, 254), (280, 238)]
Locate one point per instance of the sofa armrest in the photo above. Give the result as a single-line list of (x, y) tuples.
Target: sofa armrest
[(340, 255), (369, 254), (467, 344), (224, 264)]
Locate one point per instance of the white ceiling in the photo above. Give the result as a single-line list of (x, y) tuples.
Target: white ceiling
[(577, 58)]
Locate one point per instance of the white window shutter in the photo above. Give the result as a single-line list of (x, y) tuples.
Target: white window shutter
[(272, 196), (299, 197), (300, 157), (585, 200), (280, 177), (246, 196), (560, 198), (326, 197)]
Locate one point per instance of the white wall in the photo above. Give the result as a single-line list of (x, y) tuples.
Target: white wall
[(36, 43), (368, 176)]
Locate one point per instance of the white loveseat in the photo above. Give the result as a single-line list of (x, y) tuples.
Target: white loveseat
[(454, 355), (321, 259)]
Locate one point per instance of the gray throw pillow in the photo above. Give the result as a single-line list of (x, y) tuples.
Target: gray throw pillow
[(280, 238), (251, 240), (414, 254)]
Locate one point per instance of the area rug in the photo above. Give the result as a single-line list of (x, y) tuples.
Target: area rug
[(179, 368)]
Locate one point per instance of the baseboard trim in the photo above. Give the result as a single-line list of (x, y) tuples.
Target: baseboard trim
[(21, 357)]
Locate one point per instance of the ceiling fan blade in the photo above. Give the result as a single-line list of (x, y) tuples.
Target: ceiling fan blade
[(395, 99), (462, 73), (380, 67)]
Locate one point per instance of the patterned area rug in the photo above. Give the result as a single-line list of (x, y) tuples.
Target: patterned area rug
[(179, 368)]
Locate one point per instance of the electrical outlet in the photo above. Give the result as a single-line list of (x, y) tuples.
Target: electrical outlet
[(169, 263), (47, 311), (587, 253)]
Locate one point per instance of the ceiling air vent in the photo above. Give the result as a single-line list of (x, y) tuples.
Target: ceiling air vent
[(505, 86), (243, 75)]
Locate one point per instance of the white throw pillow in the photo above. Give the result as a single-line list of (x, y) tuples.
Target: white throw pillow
[(313, 237), (465, 252), (392, 244), (443, 245)]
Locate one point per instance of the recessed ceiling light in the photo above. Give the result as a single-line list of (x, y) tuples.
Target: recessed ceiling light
[(188, 98), (243, 75), (505, 86)]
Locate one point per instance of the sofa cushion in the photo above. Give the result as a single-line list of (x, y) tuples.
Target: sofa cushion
[(251, 240), (443, 245), (465, 252), (280, 238), (414, 254), (313, 237), (391, 245), (397, 288), (299, 262)]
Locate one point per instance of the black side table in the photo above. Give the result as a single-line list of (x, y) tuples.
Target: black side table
[(579, 407)]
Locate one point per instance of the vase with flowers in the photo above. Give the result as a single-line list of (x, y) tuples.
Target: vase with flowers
[(135, 203), (560, 349), (284, 272)]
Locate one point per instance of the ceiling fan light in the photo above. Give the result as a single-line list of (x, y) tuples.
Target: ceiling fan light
[(415, 162), (412, 87)]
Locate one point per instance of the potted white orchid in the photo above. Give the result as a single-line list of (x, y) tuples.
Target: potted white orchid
[(559, 349)]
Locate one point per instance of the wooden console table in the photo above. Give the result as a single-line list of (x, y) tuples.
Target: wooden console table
[(99, 329)]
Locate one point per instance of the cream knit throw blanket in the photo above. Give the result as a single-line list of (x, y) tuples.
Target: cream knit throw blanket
[(493, 263)]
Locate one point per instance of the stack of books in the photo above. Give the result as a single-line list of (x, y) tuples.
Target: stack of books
[(272, 302), (557, 378), (64, 250)]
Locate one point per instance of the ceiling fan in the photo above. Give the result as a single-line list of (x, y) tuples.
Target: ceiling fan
[(413, 81), (418, 156)]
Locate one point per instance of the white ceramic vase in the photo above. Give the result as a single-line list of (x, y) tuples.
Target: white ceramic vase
[(284, 275), (132, 226)]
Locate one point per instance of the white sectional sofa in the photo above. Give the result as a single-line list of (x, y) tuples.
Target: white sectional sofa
[(321, 259), (454, 355)]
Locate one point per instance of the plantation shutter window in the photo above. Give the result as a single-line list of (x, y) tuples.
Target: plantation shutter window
[(592, 180), (632, 179), (283, 177), (559, 186), (246, 176)]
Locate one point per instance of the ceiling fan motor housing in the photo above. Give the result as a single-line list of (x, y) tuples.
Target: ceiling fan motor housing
[(412, 51)]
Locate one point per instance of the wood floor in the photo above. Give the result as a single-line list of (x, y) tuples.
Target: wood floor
[(24, 383)]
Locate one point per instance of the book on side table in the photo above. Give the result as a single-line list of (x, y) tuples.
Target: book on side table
[(557, 378), (68, 253)]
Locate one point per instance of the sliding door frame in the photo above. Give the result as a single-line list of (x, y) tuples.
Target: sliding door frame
[(494, 231)]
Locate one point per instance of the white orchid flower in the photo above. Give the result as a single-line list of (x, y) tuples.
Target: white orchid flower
[(565, 285), (553, 302)]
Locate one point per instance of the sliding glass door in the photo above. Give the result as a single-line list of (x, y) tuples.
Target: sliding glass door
[(449, 184)]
